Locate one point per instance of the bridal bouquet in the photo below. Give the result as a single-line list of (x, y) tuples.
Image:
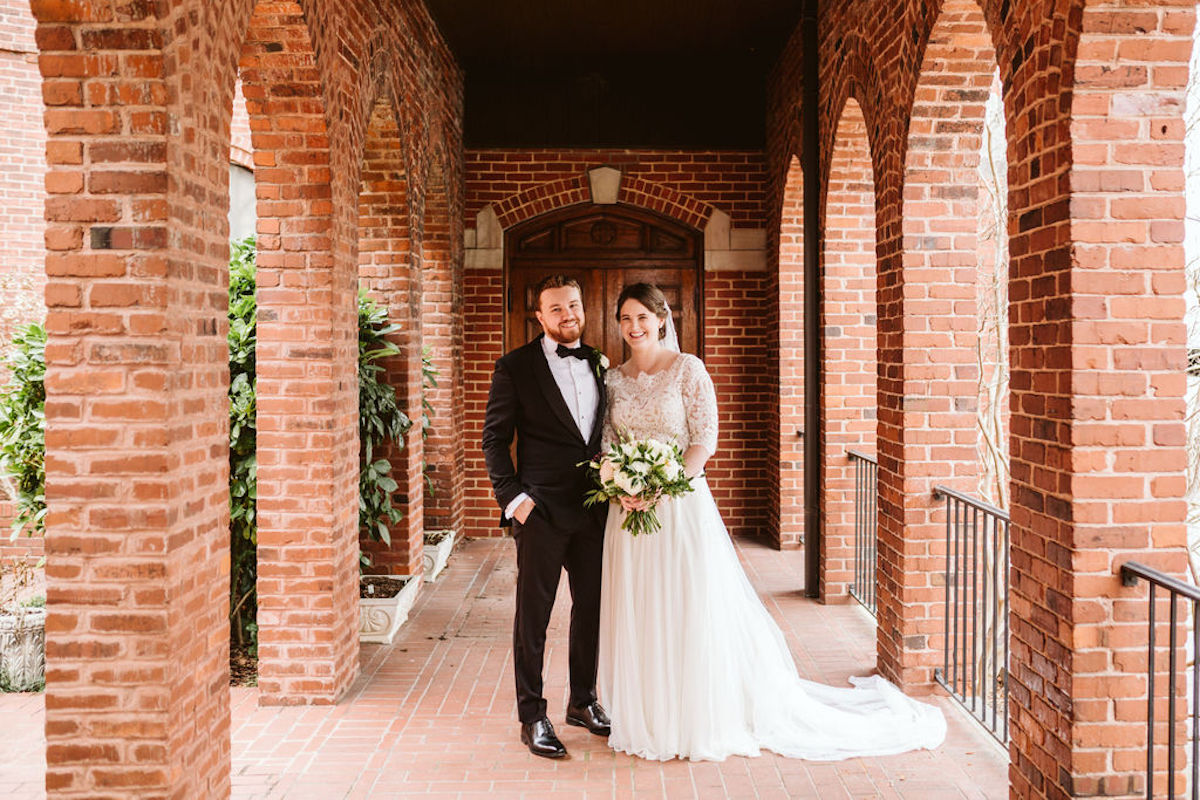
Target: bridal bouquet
[(646, 469)]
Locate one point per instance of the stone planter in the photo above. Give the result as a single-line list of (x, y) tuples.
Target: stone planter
[(23, 649), (380, 617), (438, 545)]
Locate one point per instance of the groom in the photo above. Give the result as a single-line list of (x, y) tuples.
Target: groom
[(550, 393)]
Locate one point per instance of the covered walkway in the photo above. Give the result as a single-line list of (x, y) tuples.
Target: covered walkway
[(432, 715)]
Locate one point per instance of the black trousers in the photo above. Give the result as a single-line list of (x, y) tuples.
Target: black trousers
[(543, 551)]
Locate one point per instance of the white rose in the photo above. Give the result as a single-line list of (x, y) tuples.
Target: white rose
[(671, 470), (638, 468), (603, 361), (629, 484)]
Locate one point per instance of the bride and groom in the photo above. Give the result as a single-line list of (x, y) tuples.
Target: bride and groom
[(665, 625)]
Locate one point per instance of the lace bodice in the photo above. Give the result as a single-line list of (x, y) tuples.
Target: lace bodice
[(676, 404)]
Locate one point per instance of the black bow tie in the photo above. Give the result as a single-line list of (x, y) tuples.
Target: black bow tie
[(578, 352)]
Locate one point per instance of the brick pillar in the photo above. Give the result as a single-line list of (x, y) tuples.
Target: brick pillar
[(787, 528), (137, 699), (848, 404), (442, 332), (23, 188), (307, 407), (388, 270), (1098, 384), (928, 336)]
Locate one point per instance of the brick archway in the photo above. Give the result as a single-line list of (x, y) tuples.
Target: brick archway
[(633, 190), (391, 273), (788, 478), (848, 400)]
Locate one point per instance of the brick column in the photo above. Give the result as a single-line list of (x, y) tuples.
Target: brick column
[(307, 348), (1098, 384), (931, 340), (137, 699), (848, 406), (23, 187), (391, 272), (788, 527), (442, 332)]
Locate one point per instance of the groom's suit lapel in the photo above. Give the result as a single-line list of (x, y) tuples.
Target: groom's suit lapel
[(545, 380)]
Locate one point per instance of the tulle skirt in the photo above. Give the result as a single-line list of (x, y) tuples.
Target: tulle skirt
[(693, 666)]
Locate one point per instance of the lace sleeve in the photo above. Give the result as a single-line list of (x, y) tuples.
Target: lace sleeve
[(700, 402), (607, 434)]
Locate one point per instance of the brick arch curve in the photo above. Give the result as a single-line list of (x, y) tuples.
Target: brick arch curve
[(857, 76), (634, 191)]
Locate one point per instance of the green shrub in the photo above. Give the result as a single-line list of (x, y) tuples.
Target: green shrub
[(22, 428), (243, 463), (380, 420)]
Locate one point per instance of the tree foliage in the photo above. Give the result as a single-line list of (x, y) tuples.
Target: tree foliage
[(22, 429)]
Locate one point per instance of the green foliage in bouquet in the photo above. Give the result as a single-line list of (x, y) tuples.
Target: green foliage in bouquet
[(645, 469), (22, 429)]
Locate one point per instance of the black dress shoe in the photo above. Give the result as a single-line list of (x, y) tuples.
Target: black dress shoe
[(591, 716), (539, 737)]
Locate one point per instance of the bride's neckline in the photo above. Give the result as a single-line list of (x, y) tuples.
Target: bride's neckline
[(621, 369)]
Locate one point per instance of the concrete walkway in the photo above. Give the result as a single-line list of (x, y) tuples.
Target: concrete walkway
[(433, 715)]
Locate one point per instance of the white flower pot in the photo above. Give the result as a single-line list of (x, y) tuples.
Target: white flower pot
[(23, 649), (380, 618), (436, 555)]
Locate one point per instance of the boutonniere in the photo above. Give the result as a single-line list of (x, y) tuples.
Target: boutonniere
[(599, 363)]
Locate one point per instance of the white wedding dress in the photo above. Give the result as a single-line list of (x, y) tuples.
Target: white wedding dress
[(691, 663)]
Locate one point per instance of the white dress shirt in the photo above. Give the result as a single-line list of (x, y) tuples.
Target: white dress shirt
[(577, 385)]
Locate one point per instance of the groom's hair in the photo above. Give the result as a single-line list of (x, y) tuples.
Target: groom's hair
[(556, 282)]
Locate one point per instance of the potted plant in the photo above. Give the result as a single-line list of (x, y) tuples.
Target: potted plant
[(384, 603), (22, 628), (384, 600), (438, 545)]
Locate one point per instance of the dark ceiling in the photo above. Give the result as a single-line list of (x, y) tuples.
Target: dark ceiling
[(654, 73)]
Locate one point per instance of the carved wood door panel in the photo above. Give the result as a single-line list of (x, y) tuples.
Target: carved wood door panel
[(604, 248)]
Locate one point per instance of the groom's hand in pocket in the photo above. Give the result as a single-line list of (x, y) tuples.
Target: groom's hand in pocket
[(523, 511)]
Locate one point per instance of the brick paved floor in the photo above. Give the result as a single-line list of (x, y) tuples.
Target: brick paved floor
[(433, 715)]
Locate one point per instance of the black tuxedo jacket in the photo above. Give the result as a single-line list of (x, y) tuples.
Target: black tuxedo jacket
[(525, 401)]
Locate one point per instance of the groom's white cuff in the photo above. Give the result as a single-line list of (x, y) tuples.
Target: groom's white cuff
[(514, 505)]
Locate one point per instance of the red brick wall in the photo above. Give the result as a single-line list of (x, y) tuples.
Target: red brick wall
[(690, 185), (1092, 103), (137, 570), (23, 156)]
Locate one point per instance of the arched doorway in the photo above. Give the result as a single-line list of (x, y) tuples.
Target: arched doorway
[(604, 248)]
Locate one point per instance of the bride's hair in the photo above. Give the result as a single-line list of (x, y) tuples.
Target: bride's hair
[(648, 295)]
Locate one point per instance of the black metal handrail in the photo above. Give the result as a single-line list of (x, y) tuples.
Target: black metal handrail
[(975, 652), (1131, 572), (866, 494)]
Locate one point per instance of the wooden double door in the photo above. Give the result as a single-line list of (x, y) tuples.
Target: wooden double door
[(604, 248)]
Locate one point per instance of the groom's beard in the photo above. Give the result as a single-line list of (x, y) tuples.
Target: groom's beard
[(568, 335)]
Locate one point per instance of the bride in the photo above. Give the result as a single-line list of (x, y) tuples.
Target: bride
[(691, 664)]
